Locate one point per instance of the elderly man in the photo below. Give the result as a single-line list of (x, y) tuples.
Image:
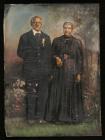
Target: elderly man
[(34, 48), (65, 101)]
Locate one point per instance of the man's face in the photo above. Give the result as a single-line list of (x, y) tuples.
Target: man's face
[(37, 24), (67, 29)]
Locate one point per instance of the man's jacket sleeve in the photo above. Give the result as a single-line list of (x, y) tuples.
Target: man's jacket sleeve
[(20, 47)]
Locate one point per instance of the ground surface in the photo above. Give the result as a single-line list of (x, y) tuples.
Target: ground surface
[(19, 127)]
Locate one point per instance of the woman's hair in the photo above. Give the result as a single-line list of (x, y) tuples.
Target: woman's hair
[(68, 23)]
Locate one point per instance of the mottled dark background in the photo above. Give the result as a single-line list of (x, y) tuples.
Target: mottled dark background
[(85, 18)]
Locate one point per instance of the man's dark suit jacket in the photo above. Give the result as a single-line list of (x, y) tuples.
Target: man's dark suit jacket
[(36, 55)]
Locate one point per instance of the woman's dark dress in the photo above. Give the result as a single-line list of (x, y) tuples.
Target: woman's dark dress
[(65, 101)]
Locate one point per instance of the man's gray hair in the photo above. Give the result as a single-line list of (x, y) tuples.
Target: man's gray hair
[(33, 18), (68, 23)]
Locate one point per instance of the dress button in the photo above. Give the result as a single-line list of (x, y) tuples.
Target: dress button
[(39, 54), (38, 60)]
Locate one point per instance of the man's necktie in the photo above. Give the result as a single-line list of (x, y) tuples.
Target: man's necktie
[(37, 36)]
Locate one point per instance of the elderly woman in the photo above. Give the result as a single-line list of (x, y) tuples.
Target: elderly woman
[(65, 101)]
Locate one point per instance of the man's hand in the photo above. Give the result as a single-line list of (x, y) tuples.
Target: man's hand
[(78, 77), (59, 61)]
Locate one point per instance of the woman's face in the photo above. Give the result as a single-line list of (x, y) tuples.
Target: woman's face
[(67, 29)]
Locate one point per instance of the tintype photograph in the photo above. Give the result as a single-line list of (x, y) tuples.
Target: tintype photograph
[(52, 70)]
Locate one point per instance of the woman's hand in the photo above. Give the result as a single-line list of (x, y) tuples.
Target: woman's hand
[(59, 61), (51, 77)]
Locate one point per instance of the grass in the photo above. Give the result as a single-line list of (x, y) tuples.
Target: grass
[(20, 128)]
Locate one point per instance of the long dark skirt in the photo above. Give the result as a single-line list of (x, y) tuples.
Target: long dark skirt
[(65, 101)]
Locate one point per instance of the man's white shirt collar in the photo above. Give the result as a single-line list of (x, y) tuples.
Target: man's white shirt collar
[(34, 31)]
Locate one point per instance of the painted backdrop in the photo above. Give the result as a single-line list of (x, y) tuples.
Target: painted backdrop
[(85, 18)]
